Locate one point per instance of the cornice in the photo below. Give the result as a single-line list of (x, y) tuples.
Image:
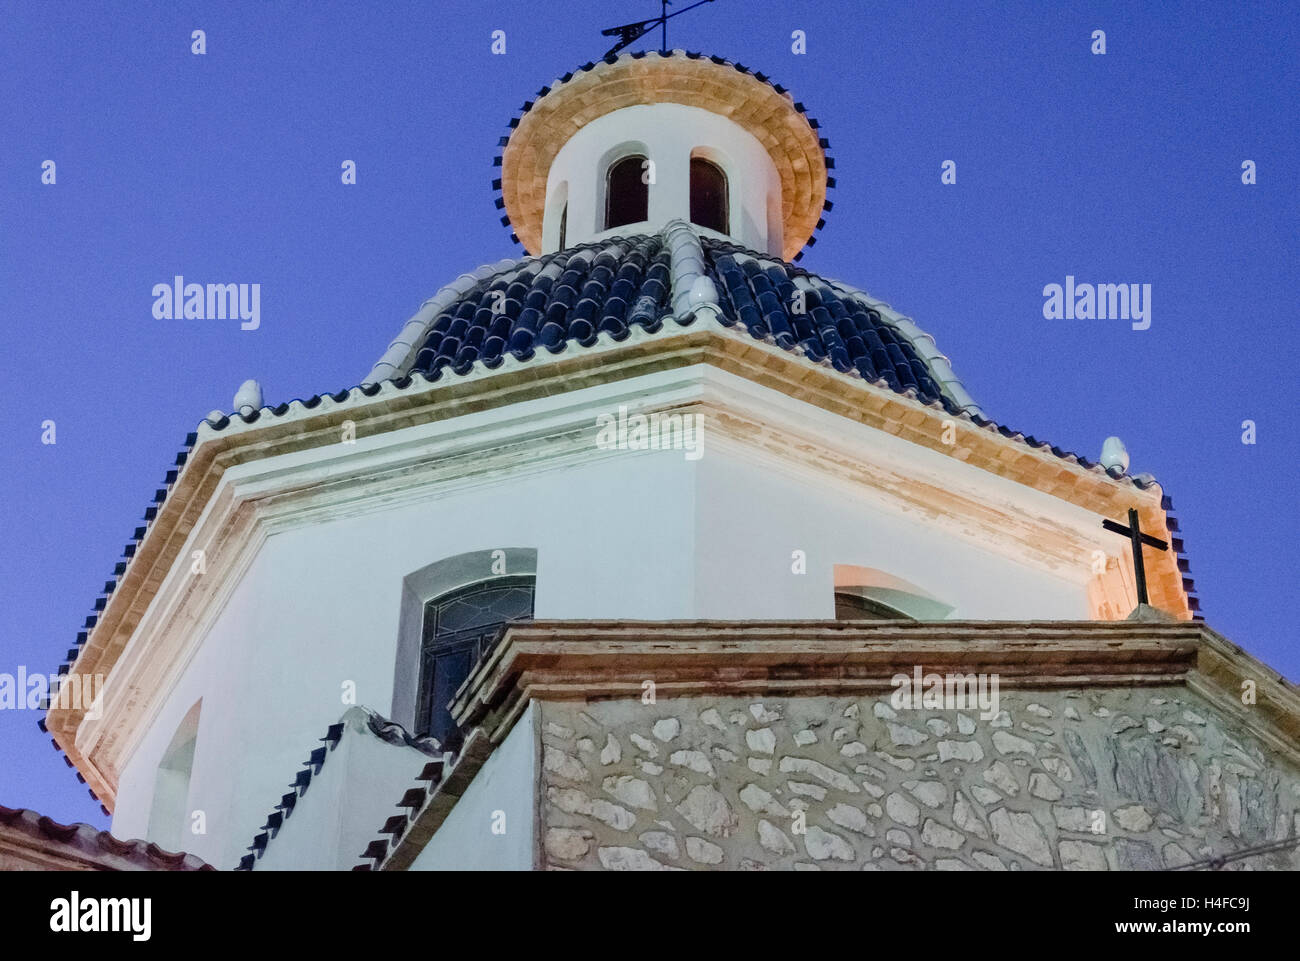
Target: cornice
[(595, 660)]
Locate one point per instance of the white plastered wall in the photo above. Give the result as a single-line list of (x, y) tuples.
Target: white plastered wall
[(491, 827)]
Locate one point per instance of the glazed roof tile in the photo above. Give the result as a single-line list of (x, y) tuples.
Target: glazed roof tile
[(567, 299)]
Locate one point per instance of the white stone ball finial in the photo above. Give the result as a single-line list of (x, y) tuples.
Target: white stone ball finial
[(248, 398), (1114, 454)]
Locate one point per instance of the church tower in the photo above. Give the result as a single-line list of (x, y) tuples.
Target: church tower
[(615, 557)]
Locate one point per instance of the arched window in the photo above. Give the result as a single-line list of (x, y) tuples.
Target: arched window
[(459, 629), (709, 195), (868, 594), (169, 815), (564, 225), (851, 606), (627, 195)]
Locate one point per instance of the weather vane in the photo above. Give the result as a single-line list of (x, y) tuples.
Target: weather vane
[(631, 32)]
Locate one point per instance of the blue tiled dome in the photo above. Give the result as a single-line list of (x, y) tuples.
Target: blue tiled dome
[(565, 300)]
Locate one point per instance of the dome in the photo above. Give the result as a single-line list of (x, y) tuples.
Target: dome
[(649, 285), (642, 258)]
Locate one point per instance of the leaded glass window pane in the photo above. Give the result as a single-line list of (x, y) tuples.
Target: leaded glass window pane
[(855, 607), (459, 629)]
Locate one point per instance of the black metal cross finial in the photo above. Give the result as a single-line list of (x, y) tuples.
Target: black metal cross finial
[(631, 32), (1137, 538)]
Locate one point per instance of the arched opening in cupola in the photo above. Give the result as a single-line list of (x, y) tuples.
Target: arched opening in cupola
[(627, 192), (556, 225), (709, 202)]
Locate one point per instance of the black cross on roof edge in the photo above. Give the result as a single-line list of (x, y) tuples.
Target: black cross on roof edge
[(1137, 539)]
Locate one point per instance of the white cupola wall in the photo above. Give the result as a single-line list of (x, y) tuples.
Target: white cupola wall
[(659, 162)]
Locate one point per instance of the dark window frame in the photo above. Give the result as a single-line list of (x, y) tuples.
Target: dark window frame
[(865, 609), (628, 197), (459, 649), (718, 216)]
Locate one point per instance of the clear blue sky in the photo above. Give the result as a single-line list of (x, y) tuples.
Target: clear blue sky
[(225, 168)]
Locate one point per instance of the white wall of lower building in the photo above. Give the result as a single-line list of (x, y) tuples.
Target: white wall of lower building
[(491, 827)]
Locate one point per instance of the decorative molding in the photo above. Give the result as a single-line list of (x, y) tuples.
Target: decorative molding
[(594, 660)]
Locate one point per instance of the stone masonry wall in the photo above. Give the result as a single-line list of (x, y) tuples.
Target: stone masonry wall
[(1103, 779)]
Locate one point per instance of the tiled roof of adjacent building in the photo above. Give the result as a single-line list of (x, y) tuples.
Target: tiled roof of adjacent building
[(381, 727), (426, 804), (81, 845)]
